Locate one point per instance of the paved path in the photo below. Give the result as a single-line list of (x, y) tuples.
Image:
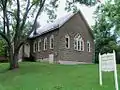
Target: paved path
[(72, 62)]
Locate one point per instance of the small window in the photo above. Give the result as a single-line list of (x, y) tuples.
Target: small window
[(52, 42), (39, 45), (35, 46), (67, 41), (88, 46), (45, 44)]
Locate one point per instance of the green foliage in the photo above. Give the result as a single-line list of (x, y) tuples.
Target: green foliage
[(111, 14), (71, 5), (86, 2), (106, 28), (2, 47)]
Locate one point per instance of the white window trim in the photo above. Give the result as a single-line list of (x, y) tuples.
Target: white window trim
[(75, 44), (88, 48), (45, 43), (67, 36), (51, 37), (34, 49), (39, 45), (79, 39), (76, 38), (81, 45)]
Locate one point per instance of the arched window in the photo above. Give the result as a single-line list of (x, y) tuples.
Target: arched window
[(35, 46), (81, 45), (51, 42), (88, 46), (67, 41), (39, 45), (78, 43), (45, 43)]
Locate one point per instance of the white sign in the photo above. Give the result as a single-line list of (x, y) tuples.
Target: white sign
[(107, 63)]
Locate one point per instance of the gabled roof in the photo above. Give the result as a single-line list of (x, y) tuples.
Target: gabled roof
[(52, 26), (57, 24)]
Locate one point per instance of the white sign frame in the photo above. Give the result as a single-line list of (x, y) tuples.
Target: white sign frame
[(104, 63)]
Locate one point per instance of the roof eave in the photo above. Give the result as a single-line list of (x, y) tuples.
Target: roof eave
[(90, 30)]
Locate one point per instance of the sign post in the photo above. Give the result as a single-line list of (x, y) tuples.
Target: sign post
[(100, 72), (107, 63), (115, 73)]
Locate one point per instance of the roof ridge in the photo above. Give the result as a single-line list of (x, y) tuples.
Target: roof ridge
[(51, 26), (58, 23)]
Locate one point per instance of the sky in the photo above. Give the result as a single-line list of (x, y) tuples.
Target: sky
[(86, 10)]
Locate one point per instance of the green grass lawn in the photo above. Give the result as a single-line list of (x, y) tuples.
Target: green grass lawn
[(41, 76)]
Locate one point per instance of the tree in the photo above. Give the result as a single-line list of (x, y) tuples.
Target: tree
[(110, 11), (106, 29), (16, 17), (14, 26)]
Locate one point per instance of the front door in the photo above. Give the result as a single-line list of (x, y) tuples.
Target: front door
[(27, 50), (51, 58)]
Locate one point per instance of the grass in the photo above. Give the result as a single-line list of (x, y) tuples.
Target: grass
[(41, 76)]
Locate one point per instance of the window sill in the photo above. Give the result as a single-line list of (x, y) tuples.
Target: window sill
[(51, 48), (67, 48), (79, 50)]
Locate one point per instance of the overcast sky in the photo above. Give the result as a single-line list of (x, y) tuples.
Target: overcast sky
[(86, 10)]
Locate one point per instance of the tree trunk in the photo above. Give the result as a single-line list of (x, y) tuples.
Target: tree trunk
[(13, 60)]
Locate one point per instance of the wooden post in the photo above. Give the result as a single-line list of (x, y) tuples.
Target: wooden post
[(115, 72), (100, 71)]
